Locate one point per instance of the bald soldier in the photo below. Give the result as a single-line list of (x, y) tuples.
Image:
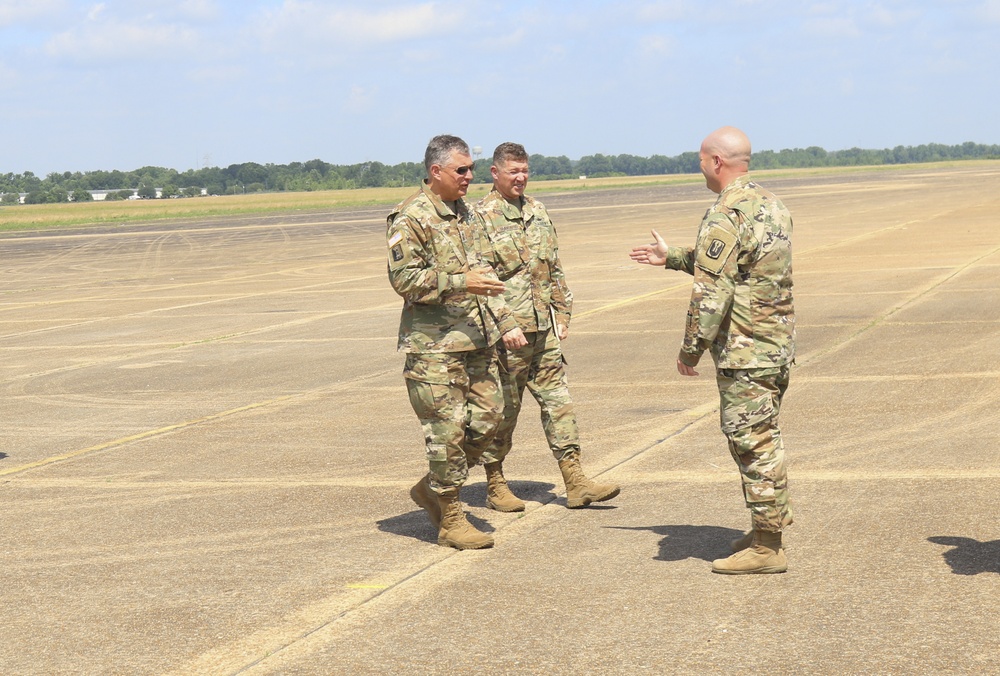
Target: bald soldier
[(741, 311), (453, 316)]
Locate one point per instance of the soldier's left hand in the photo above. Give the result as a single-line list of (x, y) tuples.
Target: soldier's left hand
[(514, 339), (482, 282)]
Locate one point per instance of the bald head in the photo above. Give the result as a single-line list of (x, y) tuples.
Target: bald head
[(725, 155), (730, 144)]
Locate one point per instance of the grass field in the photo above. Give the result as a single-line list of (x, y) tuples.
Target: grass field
[(44, 216)]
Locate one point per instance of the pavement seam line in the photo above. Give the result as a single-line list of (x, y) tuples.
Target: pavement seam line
[(189, 423)]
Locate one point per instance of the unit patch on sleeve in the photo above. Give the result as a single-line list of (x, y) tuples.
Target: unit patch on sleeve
[(398, 256), (715, 249)]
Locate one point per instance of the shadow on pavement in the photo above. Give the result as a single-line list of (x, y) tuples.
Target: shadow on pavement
[(413, 524), (969, 557), (690, 542), (416, 525)]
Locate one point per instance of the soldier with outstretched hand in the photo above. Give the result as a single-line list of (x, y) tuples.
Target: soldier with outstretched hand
[(741, 312)]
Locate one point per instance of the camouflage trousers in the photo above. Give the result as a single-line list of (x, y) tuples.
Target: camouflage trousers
[(458, 400), (749, 404), (539, 367)]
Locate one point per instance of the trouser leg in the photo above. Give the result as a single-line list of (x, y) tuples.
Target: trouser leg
[(484, 403), (750, 401), (514, 368), (759, 453), (548, 385), (456, 397)]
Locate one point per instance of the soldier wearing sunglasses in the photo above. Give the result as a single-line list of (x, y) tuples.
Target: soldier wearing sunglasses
[(453, 316)]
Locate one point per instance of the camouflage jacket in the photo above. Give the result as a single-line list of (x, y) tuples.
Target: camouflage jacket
[(526, 257), (430, 248), (741, 304)]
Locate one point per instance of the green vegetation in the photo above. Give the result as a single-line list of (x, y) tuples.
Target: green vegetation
[(250, 177), (123, 211), (65, 199)]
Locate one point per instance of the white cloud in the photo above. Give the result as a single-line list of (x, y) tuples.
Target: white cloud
[(198, 9), (296, 19), (103, 39), (990, 10), (890, 17), (95, 11), (18, 11), (662, 10), (830, 27)]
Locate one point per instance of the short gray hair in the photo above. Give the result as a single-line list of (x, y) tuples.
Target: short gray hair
[(441, 147)]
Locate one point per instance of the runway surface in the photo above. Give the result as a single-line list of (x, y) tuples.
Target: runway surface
[(207, 449)]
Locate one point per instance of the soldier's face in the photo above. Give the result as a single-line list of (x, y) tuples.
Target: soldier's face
[(510, 179), (451, 180)]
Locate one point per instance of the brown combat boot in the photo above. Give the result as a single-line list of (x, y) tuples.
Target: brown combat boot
[(498, 495), (581, 491), (764, 555), (422, 494), (456, 531)]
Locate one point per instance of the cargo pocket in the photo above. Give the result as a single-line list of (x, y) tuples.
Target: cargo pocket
[(745, 402), (439, 368)]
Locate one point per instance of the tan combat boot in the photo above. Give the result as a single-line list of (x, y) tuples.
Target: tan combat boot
[(742, 542), (456, 531), (422, 494), (581, 491), (498, 495), (764, 555)]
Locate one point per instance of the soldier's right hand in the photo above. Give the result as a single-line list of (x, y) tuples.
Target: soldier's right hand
[(482, 282), (651, 254)]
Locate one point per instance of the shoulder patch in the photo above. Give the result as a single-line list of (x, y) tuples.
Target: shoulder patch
[(714, 250), (399, 251)]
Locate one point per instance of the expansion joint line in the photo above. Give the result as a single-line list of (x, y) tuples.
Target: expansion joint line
[(148, 434)]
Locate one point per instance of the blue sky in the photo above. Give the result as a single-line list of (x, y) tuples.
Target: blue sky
[(122, 84)]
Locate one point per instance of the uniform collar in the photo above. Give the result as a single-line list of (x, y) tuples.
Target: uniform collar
[(511, 211), (736, 183), (442, 208)]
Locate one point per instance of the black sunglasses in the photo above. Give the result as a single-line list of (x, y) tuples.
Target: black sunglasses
[(462, 171)]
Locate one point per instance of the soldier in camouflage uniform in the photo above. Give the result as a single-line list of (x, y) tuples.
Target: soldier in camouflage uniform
[(453, 316), (741, 310), (525, 255)]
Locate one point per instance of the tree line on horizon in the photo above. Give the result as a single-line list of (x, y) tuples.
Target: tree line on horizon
[(250, 177)]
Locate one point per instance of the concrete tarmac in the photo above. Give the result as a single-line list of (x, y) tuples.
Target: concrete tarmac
[(207, 449)]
